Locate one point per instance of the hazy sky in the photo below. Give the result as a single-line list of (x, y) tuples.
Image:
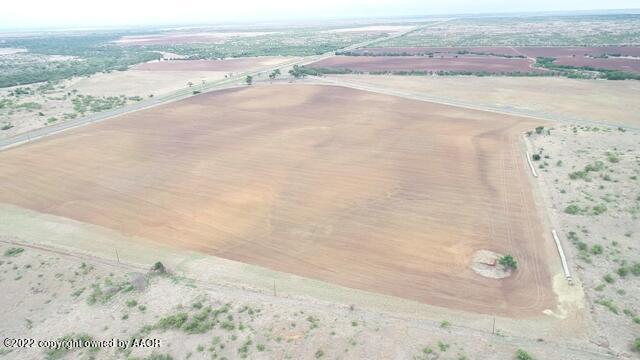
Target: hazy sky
[(48, 13)]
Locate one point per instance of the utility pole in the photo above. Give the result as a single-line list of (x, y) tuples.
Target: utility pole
[(117, 257)]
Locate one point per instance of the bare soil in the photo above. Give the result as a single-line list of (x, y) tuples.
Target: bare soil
[(631, 65), (612, 102), (373, 192), (409, 63), (597, 214), (237, 64), (48, 294)]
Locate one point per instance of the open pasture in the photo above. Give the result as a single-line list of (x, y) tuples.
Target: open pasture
[(363, 190)]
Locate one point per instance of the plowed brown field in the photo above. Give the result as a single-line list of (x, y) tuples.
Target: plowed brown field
[(360, 189), (422, 63)]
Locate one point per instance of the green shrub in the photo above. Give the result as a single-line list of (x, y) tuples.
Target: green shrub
[(623, 271), (599, 209), (508, 262), (609, 279), (578, 175), (535, 157), (636, 345), (596, 249), (608, 303), (172, 321), (159, 268), (13, 251), (572, 209), (443, 346), (523, 355)]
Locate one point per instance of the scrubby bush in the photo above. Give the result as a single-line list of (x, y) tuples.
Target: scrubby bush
[(623, 271), (572, 209), (159, 268), (172, 321), (508, 262), (523, 355), (13, 251)]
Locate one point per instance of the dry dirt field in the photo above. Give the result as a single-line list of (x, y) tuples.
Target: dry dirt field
[(558, 98), (436, 50), (420, 63), (185, 38), (237, 64), (631, 65), (373, 192), (530, 51), (141, 82)]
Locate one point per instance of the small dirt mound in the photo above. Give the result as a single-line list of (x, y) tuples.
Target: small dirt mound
[(485, 263)]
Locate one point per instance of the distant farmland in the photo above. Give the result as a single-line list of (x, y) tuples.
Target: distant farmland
[(364, 190), (423, 63), (487, 59), (239, 64), (530, 51), (631, 65)]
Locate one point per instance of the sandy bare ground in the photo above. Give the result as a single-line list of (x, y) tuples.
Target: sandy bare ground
[(47, 295), (556, 98), (372, 28), (373, 192), (185, 38), (141, 83), (602, 245), (237, 64)]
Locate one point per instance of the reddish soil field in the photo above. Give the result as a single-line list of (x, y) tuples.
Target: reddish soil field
[(578, 51), (422, 63), (632, 65), (183, 38), (438, 50), (364, 190), (559, 51), (236, 64)]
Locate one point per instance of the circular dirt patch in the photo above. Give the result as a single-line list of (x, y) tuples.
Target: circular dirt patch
[(485, 263)]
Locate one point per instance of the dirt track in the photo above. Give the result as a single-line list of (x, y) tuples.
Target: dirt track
[(364, 190)]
